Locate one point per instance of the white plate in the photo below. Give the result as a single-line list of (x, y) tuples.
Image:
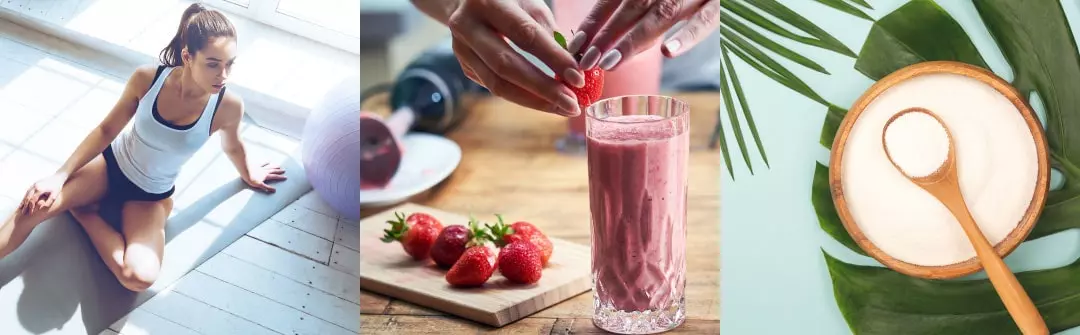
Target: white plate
[(427, 161)]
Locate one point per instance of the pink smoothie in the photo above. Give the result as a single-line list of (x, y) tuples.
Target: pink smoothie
[(637, 193)]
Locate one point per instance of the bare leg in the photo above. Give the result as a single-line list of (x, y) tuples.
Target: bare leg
[(86, 186), (133, 256), (109, 243)]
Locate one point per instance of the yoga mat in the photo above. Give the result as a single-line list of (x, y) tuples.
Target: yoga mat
[(56, 283)]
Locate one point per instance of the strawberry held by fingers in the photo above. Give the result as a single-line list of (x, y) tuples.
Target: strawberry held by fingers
[(594, 80), (417, 233)]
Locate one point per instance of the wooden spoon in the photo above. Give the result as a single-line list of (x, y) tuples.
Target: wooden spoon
[(944, 185)]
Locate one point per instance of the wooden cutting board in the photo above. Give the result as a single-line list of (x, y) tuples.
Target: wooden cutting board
[(385, 268)]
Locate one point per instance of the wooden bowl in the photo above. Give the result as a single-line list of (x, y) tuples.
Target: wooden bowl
[(1012, 240)]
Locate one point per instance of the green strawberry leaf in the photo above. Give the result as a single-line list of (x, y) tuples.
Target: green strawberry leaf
[(499, 231), (560, 39), (398, 228)]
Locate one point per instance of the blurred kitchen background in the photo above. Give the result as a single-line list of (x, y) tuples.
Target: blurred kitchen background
[(393, 32)]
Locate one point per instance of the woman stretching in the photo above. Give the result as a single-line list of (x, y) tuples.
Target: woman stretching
[(174, 109)]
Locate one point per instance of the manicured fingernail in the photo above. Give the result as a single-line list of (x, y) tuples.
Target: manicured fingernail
[(576, 43), (610, 59), (590, 58), (560, 111), (672, 46), (574, 77), (568, 105)]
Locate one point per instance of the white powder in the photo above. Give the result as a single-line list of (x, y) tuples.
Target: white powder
[(917, 143), (996, 162)]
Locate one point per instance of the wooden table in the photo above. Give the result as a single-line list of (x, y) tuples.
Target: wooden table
[(510, 167)]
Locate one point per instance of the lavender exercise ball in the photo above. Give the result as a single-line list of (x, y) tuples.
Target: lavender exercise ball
[(330, 147)]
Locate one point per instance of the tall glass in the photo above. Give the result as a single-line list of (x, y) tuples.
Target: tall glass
[(637, 149), (638, 75)]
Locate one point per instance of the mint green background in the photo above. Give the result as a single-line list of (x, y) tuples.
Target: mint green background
[(773, 277)]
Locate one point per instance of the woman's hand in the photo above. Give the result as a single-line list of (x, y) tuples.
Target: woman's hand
[(261, 176), (478, 28), (616, 30), (43, 193)]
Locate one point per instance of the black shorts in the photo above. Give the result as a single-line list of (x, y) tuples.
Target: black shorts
[(121, 189)]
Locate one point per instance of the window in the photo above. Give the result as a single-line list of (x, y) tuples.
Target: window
[(333, 22)]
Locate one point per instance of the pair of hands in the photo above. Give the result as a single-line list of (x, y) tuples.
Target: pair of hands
[(613, 31), (43, 193)]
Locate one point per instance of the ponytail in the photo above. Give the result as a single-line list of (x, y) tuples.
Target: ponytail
[(197, 26)]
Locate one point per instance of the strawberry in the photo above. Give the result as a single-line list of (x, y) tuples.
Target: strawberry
[(416, 233), (521, 231), (423, 218), (477, 263), (594, 80), (450, 245), (544, 244), (519, 262)]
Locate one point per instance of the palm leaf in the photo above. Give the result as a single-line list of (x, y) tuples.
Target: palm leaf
[(740, 38), (746, 109), (818, 37), (760, 39), (845, 7), (718, 133), (774, 69), (731, 114), (862, 3)]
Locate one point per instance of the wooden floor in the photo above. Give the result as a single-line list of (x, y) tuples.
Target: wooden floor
[(293, 274)]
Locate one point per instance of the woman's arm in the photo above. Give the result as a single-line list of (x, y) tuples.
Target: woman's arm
[(231, 112), (439, 10), (114, 122)]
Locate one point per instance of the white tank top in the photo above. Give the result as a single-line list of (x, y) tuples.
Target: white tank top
[(152, 152)]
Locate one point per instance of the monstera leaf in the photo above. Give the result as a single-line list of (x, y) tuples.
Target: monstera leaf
[(1036, 40), (738, 37)]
